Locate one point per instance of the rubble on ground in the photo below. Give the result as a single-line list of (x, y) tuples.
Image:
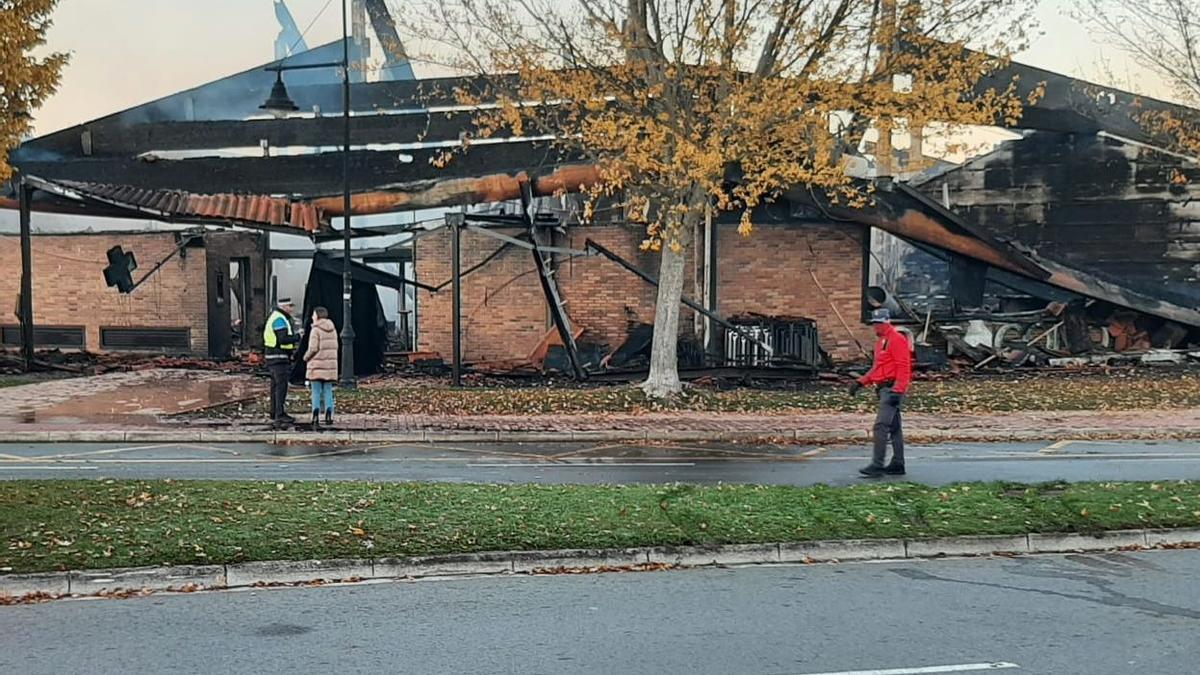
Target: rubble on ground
[(88, 363)]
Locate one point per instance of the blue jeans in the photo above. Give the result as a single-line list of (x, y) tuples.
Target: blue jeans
[(319, 390)]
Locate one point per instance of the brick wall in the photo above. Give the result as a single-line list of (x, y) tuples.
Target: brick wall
[(505, 316), (772, 272), (69, 288), (504, 311)]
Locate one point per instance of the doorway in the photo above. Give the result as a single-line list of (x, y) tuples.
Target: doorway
[(239, 302)]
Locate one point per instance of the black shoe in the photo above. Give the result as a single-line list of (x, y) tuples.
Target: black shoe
[(286, 418), (328, 419), (872, 471), (316, 421), (894, 469)]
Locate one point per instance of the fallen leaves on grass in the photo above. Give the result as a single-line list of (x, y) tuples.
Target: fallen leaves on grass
[(1131, 389)]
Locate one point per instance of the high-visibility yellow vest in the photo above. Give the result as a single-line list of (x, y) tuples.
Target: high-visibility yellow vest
[(269, 339)]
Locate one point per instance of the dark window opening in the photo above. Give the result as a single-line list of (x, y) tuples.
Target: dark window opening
[(63, 337), (146, 339)]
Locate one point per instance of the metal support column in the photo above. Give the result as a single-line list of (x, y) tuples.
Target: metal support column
[(24, 200), (455, 222)]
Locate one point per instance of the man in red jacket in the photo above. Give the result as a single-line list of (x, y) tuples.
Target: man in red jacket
[(890, 374)]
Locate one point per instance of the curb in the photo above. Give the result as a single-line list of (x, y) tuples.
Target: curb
[(287, 572), (682, 436)]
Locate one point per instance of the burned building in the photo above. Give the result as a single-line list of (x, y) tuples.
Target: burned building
[(1048, 217), (795, 264)]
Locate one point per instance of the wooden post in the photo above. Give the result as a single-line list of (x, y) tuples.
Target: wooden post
[(24, 198)]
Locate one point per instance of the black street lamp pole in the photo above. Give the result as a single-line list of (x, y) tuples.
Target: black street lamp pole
[(348, 376), (280, 103)]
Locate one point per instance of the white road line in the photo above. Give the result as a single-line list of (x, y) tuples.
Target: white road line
[(109, 451), (49, 468), (211, 448), (1055, 447), (560, 465), (963, 668)]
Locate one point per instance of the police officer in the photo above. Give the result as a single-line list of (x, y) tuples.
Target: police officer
[(280, 341)]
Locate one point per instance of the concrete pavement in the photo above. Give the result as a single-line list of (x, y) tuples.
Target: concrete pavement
[(1104, 614), (600, 462)]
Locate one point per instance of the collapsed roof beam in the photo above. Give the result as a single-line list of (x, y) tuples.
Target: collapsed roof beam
[(237, 97), (304, 176), (899, 214), (497, 187), (309, 132)]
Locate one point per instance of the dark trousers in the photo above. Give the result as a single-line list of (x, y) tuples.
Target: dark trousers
[(887, 424), (280, 374)]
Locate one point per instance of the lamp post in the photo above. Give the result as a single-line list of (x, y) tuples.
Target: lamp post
[(280, 103)]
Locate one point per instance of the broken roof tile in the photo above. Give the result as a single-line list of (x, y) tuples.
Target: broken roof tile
[(248, 210)]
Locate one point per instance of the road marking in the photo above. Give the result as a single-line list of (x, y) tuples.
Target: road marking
[(1055, 447), (110, 451), (49, 468), (563, 465), (595, 448), (14, 458), (963, 668)]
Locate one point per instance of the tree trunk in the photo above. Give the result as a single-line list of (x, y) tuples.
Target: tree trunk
[(663, 381)]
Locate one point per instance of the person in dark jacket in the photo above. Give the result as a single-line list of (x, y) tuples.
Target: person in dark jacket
[(279, 346), (891, 375), (322, 360)]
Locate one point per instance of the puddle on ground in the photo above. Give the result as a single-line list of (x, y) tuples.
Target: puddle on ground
[(145, 402)]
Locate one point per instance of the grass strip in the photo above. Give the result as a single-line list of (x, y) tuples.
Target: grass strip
[(56, 525)]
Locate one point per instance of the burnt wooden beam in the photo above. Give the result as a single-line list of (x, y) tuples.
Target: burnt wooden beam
[(485, 189), (304, 176), (236, 98), (137, 139), (44, 203)]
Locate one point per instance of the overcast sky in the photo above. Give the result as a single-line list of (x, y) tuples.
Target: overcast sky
[(127, 52)]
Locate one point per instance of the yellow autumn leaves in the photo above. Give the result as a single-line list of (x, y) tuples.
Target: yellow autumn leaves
[(26, 81)]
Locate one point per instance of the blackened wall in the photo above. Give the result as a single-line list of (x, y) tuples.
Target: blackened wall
[(1120, 210)]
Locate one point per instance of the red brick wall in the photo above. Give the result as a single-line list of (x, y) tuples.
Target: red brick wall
[(771, 272), (69, 288), (504, 311), (602, 296)]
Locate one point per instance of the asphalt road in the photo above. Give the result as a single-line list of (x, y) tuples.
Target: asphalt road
[(601, 463), (1054, 615)]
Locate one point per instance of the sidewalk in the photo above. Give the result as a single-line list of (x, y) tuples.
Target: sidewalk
[(144, 406), (820, 428)]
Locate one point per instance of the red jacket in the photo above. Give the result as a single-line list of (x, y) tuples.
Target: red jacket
[(893, 362)]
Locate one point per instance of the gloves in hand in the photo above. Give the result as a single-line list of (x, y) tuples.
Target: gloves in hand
[(855, 388)]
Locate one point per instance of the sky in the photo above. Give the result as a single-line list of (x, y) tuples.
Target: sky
[(127, 52)]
